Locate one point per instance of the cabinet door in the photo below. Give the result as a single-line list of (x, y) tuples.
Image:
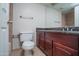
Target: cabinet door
[(48, 48), (41, 40), (61, 50), (37, 39)]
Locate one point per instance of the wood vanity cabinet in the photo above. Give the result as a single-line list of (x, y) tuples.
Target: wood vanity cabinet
[(37, 37), (57, 43), (48, 45), (41, 40), (62, 50)]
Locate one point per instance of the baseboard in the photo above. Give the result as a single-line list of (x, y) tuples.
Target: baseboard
[(17, 49)]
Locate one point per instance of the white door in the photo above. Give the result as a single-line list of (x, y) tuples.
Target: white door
[(4, 41)]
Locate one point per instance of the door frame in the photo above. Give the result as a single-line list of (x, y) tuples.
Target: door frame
[(10, 27)]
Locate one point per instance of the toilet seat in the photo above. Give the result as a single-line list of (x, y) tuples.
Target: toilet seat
[(28, 45)]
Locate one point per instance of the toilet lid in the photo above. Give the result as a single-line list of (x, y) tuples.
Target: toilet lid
[(28, 43)]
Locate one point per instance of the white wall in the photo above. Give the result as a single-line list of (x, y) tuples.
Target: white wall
[(28, 10), (76, 16), (43, 16), (53, 18)]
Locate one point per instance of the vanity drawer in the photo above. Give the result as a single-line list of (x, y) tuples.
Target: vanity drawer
[(62, 50), (68, 40)]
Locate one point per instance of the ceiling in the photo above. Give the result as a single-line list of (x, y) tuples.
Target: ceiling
[(64, 7)]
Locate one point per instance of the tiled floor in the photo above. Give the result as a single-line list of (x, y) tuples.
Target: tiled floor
[(37, 52)]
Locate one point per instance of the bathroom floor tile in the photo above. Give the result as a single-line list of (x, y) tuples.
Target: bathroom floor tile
[(37, 52)]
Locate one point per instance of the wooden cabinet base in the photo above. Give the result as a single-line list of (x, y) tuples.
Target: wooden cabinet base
[(58, 44)]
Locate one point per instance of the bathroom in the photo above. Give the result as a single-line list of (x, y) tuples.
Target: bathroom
[(32, 19), (29, 18)]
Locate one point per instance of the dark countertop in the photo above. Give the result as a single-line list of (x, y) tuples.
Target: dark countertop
[(60, 30), (65, 32), (73, 32)]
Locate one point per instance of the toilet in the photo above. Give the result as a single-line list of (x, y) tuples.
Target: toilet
[(27, 39)]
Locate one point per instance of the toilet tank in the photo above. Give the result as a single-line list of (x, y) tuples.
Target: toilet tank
[(26, 36)]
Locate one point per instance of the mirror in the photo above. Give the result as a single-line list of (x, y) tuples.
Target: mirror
[(68, 18)]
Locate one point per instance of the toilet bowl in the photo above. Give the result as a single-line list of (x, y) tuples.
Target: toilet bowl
[(26, 38), (28, 45)]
